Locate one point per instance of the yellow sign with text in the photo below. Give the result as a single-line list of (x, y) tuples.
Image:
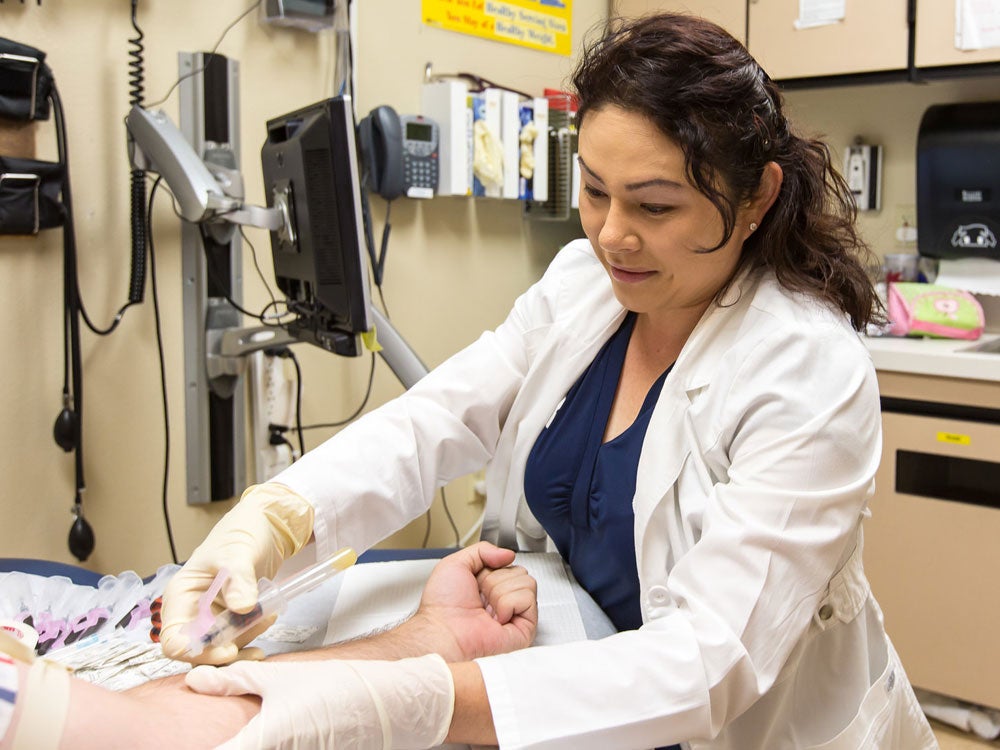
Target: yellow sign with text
[(954, 438), (539, 24)]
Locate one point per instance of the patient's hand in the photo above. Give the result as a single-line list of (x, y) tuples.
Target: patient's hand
[(474, 605)]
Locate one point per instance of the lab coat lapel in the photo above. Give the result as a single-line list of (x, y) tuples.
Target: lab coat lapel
[(570, 346), (664, 452), (671, 440)]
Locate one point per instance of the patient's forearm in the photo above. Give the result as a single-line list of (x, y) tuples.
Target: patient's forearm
[(159, 714), (472, 605), (417, 636), (169, 706), (164, 714)]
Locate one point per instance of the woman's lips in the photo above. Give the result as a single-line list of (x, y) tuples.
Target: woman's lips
[(629, 277)]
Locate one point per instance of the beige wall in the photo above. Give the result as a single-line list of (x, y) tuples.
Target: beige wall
[(453, 269), (454, 266), (886, 114)]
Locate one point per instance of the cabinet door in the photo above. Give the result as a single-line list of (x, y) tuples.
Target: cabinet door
[(935, 38), (729, 14), (932, 553), (873, 36)]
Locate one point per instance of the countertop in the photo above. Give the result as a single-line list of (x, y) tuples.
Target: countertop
[(952, 358)]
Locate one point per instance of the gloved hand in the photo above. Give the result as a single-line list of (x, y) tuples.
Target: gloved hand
[(269, 524), (349, 705)]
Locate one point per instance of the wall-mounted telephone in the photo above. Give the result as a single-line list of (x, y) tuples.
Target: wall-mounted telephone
[(421, 138), (399, 153), (380, 136)]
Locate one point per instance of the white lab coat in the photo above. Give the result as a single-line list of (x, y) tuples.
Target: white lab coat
[(760, 631)]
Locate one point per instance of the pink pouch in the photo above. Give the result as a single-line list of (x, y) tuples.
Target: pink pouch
[(937, 311)]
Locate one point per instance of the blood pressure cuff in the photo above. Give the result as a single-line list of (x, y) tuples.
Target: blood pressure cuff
[(25, 82), (30, 195)]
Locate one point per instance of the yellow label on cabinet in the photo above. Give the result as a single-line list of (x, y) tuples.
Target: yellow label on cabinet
[(954, 438)]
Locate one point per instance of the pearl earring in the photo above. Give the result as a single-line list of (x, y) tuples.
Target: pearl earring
[(753, 226)]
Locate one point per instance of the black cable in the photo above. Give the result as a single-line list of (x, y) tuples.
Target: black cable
[(277, 315), (298, 403), (81, 535), (377, 260), (386, 229), (211, 54), (385, 308), (447, 512), (451, 521), (260, 273), (275, 437), (111, 327), (94, 328), (70, 286), (163, 370), (67, 398), (213, 272), (341, 423), (137, 274)]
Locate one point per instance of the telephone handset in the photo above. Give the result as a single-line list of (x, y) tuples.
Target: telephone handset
[(380, 136)]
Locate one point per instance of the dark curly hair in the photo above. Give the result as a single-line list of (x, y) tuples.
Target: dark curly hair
[(705, 92)]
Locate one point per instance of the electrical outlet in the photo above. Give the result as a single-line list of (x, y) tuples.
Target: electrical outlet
[(863, 172), (904, 226), (272, 402)]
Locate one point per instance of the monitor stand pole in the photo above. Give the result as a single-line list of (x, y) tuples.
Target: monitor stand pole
[(227, 349), (402, 360)]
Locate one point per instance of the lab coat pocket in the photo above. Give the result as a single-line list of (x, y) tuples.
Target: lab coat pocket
[(889, 717)]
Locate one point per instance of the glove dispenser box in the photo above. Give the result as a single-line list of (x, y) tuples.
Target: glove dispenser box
[(958, 182)]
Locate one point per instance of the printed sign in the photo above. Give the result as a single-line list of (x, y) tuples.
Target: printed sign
[(539, 24)]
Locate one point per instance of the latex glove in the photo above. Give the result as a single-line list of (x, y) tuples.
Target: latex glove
[(269, 524), (349, 705), (487, 159)]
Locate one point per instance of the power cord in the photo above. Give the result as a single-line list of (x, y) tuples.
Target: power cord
[(451, 521), (216, 278), (211, 54), (357, 412), (163, 369)]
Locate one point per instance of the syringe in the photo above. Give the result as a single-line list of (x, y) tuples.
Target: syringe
[(272, 599)]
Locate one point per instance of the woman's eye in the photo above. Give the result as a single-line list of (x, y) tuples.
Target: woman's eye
[(593, 192), (654, 209)]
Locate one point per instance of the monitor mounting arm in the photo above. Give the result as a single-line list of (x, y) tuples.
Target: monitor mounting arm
[(208, 191), (228, 346)]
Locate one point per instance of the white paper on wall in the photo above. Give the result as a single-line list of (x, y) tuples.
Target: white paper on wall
[(977, 24), (814, 13)]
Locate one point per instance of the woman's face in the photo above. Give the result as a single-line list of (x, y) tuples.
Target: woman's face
[(648, 224)]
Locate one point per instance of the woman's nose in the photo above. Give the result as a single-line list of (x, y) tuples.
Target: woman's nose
[(616, 233)]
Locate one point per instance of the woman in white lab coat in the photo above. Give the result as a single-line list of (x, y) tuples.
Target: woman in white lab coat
[(707, 329)]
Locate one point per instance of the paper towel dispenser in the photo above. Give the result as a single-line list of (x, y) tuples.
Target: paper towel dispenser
[(958, 181)]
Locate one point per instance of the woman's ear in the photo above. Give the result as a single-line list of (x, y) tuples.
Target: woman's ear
[(767, 190)]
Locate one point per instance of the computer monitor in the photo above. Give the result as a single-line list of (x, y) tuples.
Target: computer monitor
[(310, 166)]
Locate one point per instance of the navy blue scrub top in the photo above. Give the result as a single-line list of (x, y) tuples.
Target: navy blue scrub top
[(580, 488)]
